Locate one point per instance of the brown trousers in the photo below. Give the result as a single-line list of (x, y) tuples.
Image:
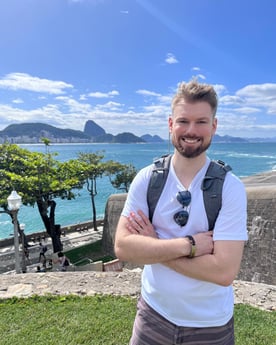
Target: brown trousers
[(150, 328)]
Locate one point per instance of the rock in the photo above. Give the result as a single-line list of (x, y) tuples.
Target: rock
[(126, 283)]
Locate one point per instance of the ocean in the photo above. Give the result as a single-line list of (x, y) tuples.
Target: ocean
[(245, 159)]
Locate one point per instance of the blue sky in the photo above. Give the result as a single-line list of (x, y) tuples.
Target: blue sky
[(118, 62)]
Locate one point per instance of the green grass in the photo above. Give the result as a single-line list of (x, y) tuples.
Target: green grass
[(254, 326), (102, 320), (91, 251)]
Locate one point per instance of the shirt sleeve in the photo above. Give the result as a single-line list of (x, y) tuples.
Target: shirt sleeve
[(137, 194), (231, 223)]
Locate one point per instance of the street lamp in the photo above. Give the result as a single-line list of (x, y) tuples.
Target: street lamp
[(14, 203), (23, 244)]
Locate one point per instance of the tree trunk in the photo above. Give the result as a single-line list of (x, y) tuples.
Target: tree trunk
[(53, 230), (94, 212)]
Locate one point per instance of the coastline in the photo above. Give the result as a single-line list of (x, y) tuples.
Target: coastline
[(127, 282), (245, 160), (265, 180)]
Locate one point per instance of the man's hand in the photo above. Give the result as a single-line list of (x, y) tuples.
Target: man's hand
[(204, 243), (138, 223)]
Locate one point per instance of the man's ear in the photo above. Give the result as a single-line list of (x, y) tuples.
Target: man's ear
[(170, 123), (214, 125)]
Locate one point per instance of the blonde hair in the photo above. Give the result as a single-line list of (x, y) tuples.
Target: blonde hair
[(195, 92)]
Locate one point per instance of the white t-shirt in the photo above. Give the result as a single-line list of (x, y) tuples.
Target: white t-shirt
[(182, 300)]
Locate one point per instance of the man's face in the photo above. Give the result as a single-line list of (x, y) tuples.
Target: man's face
[(192, 126)]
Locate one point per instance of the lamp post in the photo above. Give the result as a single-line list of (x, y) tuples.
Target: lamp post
[(23, 262), (14, 203)]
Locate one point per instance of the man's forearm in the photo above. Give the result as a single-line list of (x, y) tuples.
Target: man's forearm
[(147, 250), (219, 268)]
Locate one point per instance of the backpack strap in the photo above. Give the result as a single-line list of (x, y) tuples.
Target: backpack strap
[(211, 186), (157, 181)]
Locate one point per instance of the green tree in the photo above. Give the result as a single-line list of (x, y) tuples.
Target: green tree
[(95, 168), (124, 177), (39, 179)]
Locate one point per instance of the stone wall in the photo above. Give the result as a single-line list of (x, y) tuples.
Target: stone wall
[(113, 209), (42, 235), (259, 260)]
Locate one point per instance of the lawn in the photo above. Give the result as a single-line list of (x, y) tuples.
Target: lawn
[(102, 320), (84, 254)]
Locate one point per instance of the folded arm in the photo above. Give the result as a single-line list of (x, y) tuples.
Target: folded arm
[(136, 241), (220, 268), (216, 262)]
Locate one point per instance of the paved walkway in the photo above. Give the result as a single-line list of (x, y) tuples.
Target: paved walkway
[(69, 241)]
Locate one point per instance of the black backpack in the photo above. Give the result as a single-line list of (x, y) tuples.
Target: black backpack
[(66, 262), (211, 186)]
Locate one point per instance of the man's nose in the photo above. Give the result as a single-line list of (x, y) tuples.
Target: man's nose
[(191, 128)]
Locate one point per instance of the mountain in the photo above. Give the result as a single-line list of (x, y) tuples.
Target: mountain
[(227, 139), (127, 138), (122, 138), (93, 133), (91, 129), (38, 130), (33, 132), (99, 135), (152, 138)]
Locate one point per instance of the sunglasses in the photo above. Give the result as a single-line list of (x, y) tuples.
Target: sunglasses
[(184, 198)]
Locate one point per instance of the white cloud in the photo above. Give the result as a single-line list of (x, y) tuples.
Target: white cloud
[(246, 112), (258, 91), (109, 106), (201, 76), (229, 99), (161, 111), (73, 106), (256, 98), (260, 95), (171, 59), (148, 93), (220, 89), (18, 101), (23, 81), (83, 98), (99, 94), (45, 114)]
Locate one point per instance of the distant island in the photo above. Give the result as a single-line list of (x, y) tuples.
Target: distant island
[(32, 133)]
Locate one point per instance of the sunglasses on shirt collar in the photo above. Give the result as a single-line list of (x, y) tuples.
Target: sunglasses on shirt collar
[(184, 198)]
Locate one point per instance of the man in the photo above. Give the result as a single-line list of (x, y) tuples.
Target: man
[(186, 296), (63, 261), (42, 250)]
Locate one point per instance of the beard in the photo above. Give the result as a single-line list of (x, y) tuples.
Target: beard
[(188, 151)]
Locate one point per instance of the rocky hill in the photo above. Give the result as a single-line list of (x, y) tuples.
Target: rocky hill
[(34, 132), (39, 130)]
